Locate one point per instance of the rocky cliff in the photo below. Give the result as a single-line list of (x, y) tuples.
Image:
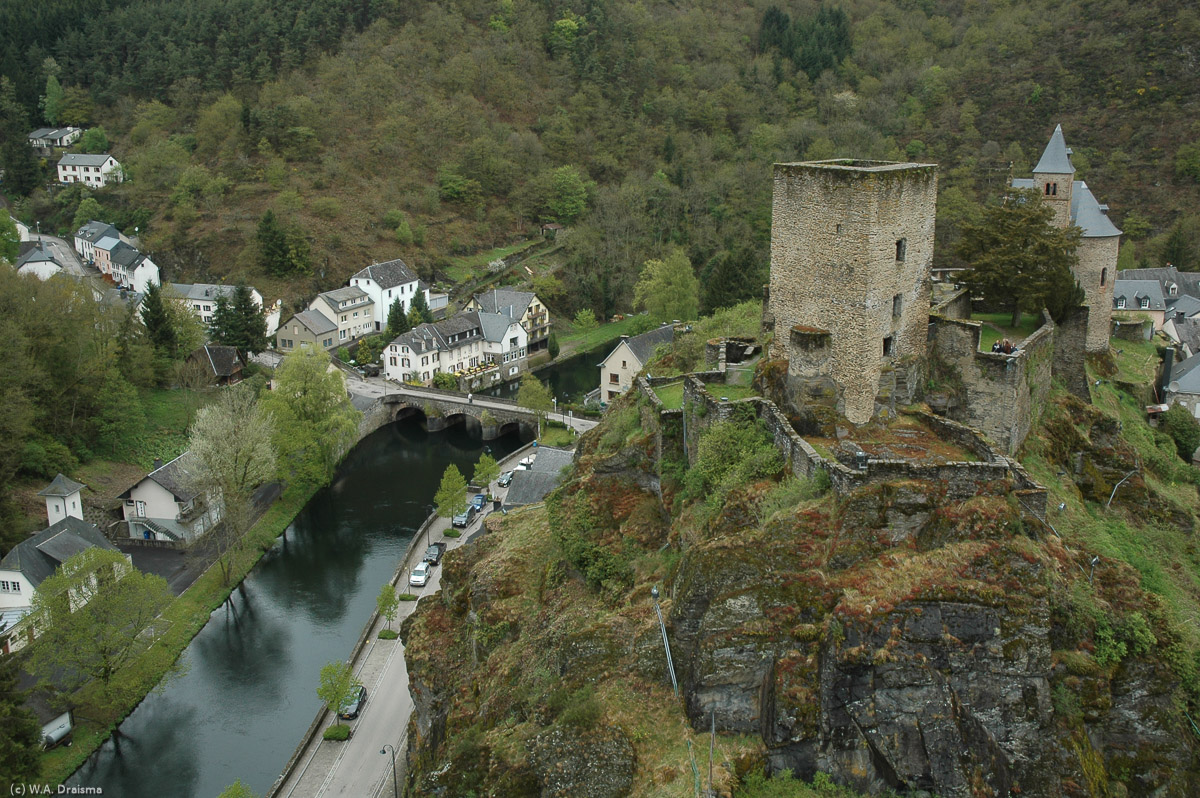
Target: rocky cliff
[(891, 638)]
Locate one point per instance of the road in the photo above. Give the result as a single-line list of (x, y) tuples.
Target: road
[(64, 253), (356, 768), (375, 387)]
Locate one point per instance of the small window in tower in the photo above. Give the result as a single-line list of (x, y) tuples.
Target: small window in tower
[(1104, 276), (1052, 189), (889, 346), (838, 229), (901, 249), (897, 305)]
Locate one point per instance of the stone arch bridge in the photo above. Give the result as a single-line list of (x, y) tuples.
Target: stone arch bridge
[(442, 409)]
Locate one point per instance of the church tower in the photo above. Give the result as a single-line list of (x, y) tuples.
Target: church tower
[(1074, 204)]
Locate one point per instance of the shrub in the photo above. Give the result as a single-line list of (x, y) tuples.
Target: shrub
[(452, 533), (337, 732), (731, 453), (1183, 429), (446, 381), (406, 596), (390, 634)]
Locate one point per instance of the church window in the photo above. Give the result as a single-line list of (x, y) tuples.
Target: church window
[(1052, 189)]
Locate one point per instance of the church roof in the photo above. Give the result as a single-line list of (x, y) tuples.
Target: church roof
[(1086, 211), (1056, 158)]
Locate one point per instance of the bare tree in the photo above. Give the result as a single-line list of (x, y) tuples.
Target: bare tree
[(231, 444)]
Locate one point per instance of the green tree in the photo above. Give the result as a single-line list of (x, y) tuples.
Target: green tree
[(1187, 161), (237, 790), (1183, 429), (568, 195), (77, 107), (552, 346), (534, 395), (337, 688), (668, 289), (157, 317), (397, 320), (232, 451), (486, 471), (312, 418), (1136, 226), (118, 416), (730, 278), (445, 380), (94, 140), (1020, 260), (387, 603), (21, 743), (89, 209), (421, 306), (585, 320), (1178, 249), (272, 245), (92, 614), (10, 239), (52, 100), (451, 496)]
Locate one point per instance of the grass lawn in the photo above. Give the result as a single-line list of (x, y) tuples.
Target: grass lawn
[(1137, 361), (671, 395), (586, 341), (732, 392), (997, 326), (468, 267), (558, 437)]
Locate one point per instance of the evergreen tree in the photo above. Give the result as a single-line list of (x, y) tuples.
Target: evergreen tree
[(421, 306), (1177, 249), (52, 100), (21, 743), (730, 277), (272, 245), (1020, 260), (397, 320), (239, 322), (159, 325)]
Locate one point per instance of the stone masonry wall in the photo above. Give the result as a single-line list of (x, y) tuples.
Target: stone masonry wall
[(836, 266), (1003, 392), (1096, 272)]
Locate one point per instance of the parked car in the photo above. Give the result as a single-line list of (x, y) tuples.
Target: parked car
[(505, 479), (356, 704), (433, 554), (464, 518), (479, 501), (419, 575)]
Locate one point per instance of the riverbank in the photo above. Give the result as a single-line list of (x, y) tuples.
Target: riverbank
[(353, 767), (183, 620)]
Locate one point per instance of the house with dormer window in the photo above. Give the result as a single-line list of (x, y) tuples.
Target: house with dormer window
[(385, 283), (166, 504), (351, 309), (1132, 298)]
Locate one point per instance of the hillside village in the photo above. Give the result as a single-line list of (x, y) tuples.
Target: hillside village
[(835, 510)]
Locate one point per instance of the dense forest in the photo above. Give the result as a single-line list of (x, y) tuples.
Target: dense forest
[(377, 129)]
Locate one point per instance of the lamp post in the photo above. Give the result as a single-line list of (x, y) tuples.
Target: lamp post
[(383, 751), (666, 643), (429, 524)]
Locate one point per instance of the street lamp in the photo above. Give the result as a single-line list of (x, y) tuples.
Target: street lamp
[(666, 644), (383, 751)]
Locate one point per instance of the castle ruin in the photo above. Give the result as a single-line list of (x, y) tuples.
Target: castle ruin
[(851, 253)]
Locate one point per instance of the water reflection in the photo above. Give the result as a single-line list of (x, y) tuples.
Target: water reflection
[(250, 689)]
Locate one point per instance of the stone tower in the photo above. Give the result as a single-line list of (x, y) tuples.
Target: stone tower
[(851, 251), (1074, 204)]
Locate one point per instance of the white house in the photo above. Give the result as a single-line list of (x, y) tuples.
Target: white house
[(31, 561), (386, 282), (350, 308), (94, 170), (453, 345), (165, 504), (87, 236), (46, 137), (132, 269), (63, 499), (618, 370), (38, 262), (201, 298), (524, 306), (505, 343)]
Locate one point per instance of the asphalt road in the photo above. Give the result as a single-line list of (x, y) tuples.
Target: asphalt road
[(64, 253)]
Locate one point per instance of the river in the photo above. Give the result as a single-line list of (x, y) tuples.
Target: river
[(250, 688), (568, 380)]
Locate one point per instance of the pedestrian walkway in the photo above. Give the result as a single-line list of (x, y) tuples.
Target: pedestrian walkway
[(356, 768)]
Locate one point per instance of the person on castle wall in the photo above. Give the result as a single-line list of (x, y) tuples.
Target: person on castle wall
[(996, 346)]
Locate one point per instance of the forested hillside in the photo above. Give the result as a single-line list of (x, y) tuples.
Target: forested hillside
[(436, 129)]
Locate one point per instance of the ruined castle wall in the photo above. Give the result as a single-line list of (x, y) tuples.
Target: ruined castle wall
[(851, 251), (1070, 350), (1003, 393), (1096, 272), (956, 305)]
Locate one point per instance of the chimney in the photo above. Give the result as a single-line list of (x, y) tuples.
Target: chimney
[(1167, 367), (158, 463)]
